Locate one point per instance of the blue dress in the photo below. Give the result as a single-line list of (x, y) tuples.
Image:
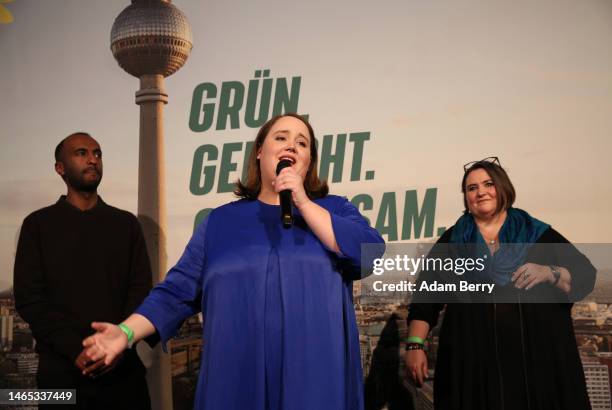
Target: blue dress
[(279, 324)]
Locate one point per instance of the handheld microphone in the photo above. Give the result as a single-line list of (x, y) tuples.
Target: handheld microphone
[(285, 197)]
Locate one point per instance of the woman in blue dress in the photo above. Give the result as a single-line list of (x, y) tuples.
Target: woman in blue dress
[(279, 325)]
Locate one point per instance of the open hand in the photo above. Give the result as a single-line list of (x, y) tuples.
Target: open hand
[(107, 344)]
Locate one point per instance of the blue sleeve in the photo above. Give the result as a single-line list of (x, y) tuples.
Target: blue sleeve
[(352, 231), (179, 295)]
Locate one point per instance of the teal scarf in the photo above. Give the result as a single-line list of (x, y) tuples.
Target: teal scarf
[(516, 236)]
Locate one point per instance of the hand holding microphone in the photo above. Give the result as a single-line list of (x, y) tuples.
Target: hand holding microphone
[(290, 187), (285, 196)]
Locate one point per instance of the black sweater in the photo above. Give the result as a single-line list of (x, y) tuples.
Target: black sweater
[(74, 267)]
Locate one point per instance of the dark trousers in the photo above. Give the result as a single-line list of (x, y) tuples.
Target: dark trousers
[(125, 387)]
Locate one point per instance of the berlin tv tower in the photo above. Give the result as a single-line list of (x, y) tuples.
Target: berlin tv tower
[(151, 39)]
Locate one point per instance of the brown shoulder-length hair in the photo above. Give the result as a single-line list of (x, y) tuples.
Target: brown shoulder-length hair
[(505, 190), (315, 188)]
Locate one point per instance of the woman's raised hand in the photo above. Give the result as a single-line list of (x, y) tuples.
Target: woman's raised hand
[(291, 180)]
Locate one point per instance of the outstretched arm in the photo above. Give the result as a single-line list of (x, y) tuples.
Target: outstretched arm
[(110, 341)]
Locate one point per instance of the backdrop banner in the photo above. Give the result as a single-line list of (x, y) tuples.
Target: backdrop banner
[(401, 94)]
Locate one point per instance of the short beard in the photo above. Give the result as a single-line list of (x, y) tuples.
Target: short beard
[(78, 183)]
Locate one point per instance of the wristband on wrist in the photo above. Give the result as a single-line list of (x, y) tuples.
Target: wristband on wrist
[(415, 339), (129, 333), (414, 346)]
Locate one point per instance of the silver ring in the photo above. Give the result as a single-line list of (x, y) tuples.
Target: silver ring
[(526, 274)]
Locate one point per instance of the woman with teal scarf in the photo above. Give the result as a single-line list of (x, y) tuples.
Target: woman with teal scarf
[(505, 356)]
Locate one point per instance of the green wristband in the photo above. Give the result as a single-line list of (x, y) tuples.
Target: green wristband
[(128, 332), (415, 339)]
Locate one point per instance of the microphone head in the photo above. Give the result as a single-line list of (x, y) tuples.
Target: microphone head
[(282, 164)]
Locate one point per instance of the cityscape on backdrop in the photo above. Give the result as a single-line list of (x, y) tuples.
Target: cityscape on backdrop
[(382, 326)]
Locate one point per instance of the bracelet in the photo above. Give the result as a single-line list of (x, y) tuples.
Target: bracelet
[(414, 339), (414, 346), (129, 333), (556, 274)]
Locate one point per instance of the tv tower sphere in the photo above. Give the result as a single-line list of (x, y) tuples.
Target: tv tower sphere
[(151, 37)]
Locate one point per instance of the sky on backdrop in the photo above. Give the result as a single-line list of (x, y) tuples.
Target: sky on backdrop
[(437, 84)]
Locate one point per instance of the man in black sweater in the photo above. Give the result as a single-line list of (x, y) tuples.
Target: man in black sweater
[(78, 261)]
